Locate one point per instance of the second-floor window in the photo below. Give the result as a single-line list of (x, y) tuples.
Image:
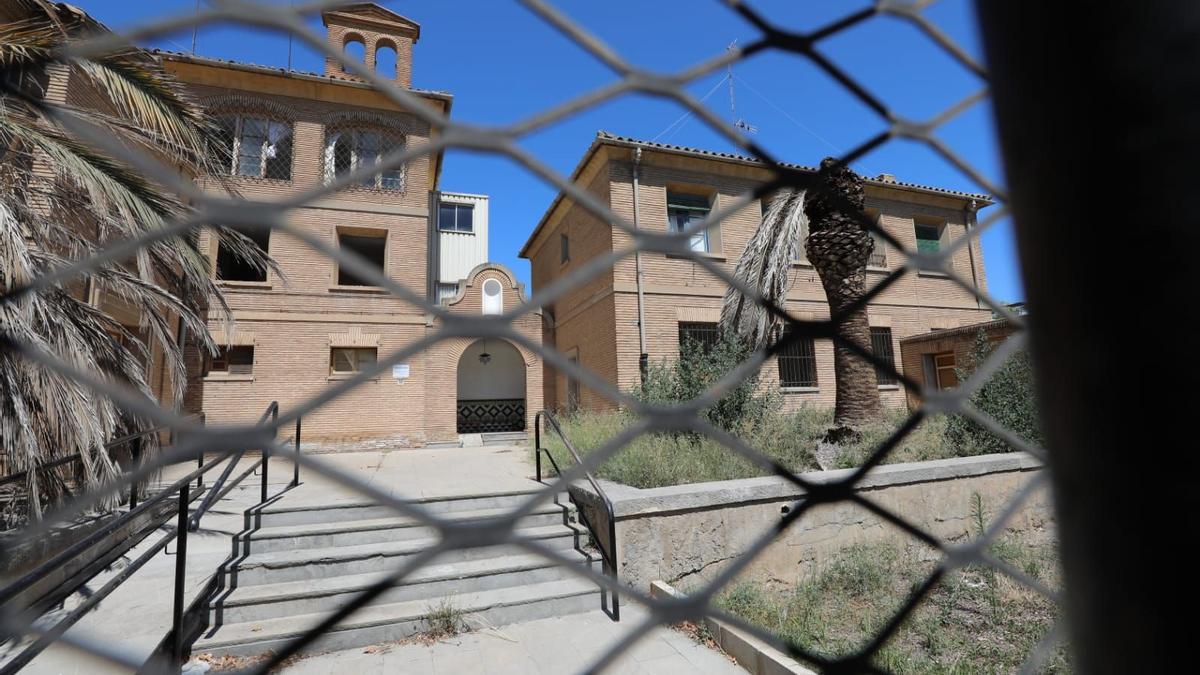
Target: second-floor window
[(929, 236), (348, 150), (368, 244), (234, 267), (683, 211), (456, 217), (255, 147)]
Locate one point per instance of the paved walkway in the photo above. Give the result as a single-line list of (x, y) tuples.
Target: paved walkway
[(558, 646)]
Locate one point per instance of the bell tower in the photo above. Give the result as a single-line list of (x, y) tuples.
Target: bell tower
[(367, 31)]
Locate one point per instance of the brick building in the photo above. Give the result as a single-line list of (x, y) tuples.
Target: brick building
[(597, 324), (933, 359), (300, 333)]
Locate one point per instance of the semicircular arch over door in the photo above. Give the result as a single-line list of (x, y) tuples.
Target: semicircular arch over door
[(491, 388)]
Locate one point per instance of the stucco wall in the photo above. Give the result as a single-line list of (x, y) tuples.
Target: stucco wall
[(690, 533)]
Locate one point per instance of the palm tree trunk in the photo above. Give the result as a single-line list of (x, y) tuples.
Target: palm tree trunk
[(839, 247)]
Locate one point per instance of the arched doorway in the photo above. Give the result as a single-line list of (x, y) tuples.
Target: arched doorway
[(491, 388)]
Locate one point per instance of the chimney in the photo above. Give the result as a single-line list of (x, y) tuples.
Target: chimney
[(886, 178)]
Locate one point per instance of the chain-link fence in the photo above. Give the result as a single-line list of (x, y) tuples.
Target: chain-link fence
[(650, 418)]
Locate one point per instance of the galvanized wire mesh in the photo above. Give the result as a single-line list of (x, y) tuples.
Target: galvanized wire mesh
[(503, 141)]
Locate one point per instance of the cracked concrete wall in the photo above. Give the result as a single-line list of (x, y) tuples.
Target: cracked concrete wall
[(686, 535)]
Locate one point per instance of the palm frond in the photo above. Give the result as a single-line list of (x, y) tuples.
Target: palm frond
[(765, 266)]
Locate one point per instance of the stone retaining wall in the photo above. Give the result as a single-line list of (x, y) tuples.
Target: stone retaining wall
[(685, 534)]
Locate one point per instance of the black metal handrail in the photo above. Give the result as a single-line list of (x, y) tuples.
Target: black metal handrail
[(608, 557), (182, 487)]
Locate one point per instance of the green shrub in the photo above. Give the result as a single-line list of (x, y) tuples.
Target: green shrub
[(1007, 397), (697, 369)]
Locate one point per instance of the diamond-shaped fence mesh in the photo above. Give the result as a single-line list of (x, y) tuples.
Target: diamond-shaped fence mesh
[(255, 146)]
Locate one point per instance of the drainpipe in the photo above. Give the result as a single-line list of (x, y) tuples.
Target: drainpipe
[(643, 358), (969, 221)]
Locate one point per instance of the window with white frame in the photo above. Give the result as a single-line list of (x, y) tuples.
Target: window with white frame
[(254, 147), (455, 217), (683, 211), (348, 150)]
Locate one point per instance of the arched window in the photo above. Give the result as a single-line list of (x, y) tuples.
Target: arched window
[(349, 149), (493, 297), (354, 49), (385, 59), (254, 146)]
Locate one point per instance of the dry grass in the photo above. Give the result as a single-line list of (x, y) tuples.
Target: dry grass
[(974, 620), (655, 460)]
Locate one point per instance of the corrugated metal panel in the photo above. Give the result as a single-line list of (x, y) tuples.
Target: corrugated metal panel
[(461, 252)]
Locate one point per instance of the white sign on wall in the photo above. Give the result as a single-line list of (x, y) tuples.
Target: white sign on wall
[(400, 371)]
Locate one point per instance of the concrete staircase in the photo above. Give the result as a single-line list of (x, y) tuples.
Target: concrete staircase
[(301, 563)]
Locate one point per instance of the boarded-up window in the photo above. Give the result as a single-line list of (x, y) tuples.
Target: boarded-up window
[(351, 359), (944, 366)]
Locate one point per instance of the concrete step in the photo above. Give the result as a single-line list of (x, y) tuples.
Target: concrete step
[(271, 601), (322, 563), (389, 622), (288, 512), (505, 438), (379, 530)]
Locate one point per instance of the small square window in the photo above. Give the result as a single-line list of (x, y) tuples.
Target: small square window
[(703, 335), (345, 360), (233, 361), (684, 210), (371, 247), (456, 217)]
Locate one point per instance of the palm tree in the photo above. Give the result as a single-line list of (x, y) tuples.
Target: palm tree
[(62, 200), (838, 246)]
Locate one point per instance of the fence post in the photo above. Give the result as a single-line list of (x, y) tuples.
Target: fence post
[(1100, 136), (181, 532)]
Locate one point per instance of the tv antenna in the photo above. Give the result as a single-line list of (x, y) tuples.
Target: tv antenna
[(738, 122)]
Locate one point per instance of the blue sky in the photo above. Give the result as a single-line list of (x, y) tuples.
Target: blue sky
[(503, 64)]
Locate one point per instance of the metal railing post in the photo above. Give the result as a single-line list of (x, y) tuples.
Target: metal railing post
[(266, 454), (136, 453), (200, 458), (537, 444), (296, 461), (181, 533)]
